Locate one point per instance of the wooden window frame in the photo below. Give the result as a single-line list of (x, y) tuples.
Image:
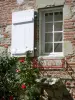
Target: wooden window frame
[(42, 32)]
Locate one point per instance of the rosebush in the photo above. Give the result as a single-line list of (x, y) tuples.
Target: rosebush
[(26, 76), (7, 76), (17, 79)]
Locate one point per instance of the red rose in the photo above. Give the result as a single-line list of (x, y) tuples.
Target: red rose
[(21, 60), (11, 98), (35, 63), (17, 70), (23, 86), (68, 83)]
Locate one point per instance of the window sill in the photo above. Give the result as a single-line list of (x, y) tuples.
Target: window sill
[(51, 61), (52, 55)]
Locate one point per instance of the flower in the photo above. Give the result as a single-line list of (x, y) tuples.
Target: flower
[(11, 97), (17, 70), (23, 86), (35, 63), (68, 83), (21, 60)]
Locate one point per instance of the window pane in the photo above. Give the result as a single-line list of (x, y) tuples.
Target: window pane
[(57, 47), (48, 17), (48, 37), (48, 27), (58, 26), (57, 36), (48, 47), (58, 16)]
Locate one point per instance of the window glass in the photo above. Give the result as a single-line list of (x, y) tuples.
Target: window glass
[(48, 17), (48, 47), (57, 47), (48, 27), (58, 16), (58, 26), (48, 37), (57, 36)]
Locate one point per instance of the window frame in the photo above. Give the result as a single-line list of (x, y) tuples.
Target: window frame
[(42, 30)]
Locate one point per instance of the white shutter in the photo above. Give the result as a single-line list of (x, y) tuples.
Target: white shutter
[(22, 32)]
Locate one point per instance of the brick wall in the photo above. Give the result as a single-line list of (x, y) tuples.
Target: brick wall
[(8, 6), (6, 9), (69, 22)]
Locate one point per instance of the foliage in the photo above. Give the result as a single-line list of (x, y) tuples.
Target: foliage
[(17, 79), (27, 75), (7, 76)]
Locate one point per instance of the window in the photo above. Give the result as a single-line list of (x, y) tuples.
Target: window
[(51, 31)]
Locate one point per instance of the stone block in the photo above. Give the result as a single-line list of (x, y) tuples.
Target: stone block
[(67, 14), (49, 3), (8, 29), (68, 48)]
